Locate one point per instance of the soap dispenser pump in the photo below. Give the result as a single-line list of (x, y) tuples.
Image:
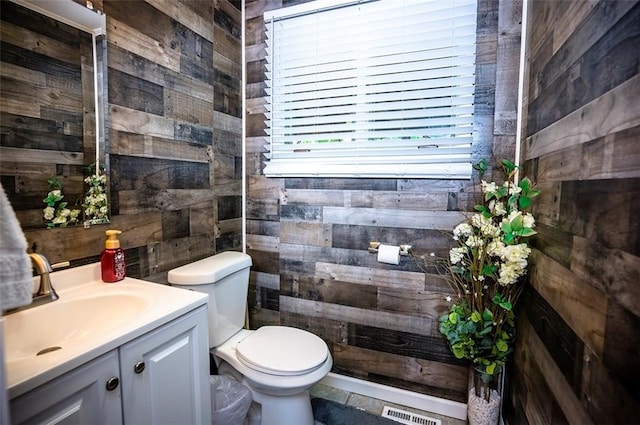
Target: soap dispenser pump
[(112, 260)]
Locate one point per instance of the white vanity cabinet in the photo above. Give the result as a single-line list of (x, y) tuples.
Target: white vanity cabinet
[(165, 374), (77, 397), (160, 377)]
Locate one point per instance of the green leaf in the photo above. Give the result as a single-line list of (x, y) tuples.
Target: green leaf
[(453, 317), (527, 231), (509, 238), (488, 269), (482, 209), (481, 166), (524, 202), (533, 193), (502, 346), (525, 184), (498, 299), (458, 352), (458, 269), (487, 315), (491, 367), (506, 227), (475, 317), (54, 183), (501, 192), (487, 330), (508, 165), (517, 223)]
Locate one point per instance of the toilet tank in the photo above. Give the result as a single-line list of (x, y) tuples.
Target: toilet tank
[(225, 278)]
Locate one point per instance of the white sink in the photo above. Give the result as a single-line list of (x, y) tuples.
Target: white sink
[(65, 323), (89, 319)]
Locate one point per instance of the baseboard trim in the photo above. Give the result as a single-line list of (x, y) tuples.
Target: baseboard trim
[(424, 402)]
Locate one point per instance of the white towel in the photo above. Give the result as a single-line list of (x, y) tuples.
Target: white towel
[(16, 281)]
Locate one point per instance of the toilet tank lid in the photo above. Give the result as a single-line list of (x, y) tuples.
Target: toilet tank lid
[(210, 269)]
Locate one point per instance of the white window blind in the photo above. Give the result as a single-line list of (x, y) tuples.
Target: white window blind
[(373, 89)]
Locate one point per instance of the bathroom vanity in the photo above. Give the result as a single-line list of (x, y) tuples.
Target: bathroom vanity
[(148, 365)]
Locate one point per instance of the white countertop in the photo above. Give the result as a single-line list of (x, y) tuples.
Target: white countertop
[(157, 304)]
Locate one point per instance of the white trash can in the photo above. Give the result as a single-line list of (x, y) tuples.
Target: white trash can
[(230, 401)]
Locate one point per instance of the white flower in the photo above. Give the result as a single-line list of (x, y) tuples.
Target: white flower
[(59, 219), (457, 254), (474, 241), (497, 207), (55, 193), (448, 298), (488, 187), (528, 221), (485, 224), (48, 213), (462, 229), (516, 253), (64, 212), (508, 274), (495, 247), (514, 189)]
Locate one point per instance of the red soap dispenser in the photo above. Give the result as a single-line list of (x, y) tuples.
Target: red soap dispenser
[(112, 260)]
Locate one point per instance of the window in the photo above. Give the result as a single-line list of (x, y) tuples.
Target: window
[(371, 88)]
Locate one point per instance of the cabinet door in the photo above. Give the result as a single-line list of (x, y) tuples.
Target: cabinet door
[(165, 374), (89, 394)]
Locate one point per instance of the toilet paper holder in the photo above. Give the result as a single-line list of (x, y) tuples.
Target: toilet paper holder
[(405, 249)]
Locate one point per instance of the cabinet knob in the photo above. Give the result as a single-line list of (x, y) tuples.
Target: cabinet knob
[(112, 383), (138, 367)]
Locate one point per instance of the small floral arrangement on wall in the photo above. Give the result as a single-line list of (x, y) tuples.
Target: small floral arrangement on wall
[(95, 204), (485, 271), (56, 213)]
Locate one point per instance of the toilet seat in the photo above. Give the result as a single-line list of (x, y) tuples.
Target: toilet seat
[(282, 351)]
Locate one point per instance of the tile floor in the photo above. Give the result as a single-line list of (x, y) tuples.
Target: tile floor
[(372, 405)]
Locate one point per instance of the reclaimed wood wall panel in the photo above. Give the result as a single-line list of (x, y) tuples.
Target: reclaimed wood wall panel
[(174, 102), (309, 236), (577, 351)]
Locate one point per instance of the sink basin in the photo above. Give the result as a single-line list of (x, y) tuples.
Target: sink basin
[(89, 319), (63, 323)]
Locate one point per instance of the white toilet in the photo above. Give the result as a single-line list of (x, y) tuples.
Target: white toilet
[(279, 364)]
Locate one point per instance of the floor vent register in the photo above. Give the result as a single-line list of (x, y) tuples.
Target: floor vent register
[(408, 418)]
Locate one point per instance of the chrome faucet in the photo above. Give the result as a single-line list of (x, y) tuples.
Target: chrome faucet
[(43, 268)]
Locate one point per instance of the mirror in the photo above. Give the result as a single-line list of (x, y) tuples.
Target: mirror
[(52, 110)]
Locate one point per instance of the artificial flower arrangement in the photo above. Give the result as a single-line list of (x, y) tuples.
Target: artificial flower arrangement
[(485, 271), (96, 207), (56, 212)]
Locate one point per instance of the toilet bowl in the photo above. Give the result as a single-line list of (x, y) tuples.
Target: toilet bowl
[(280, 377), (277, 363)]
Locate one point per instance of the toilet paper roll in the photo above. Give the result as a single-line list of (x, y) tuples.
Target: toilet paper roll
[(389, 254)]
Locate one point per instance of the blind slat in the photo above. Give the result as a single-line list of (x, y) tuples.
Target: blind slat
[(369, 134)]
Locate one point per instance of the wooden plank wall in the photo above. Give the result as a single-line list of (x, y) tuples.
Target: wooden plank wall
[(46, 109), (309, 236), (578, 351), (174, 124)]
